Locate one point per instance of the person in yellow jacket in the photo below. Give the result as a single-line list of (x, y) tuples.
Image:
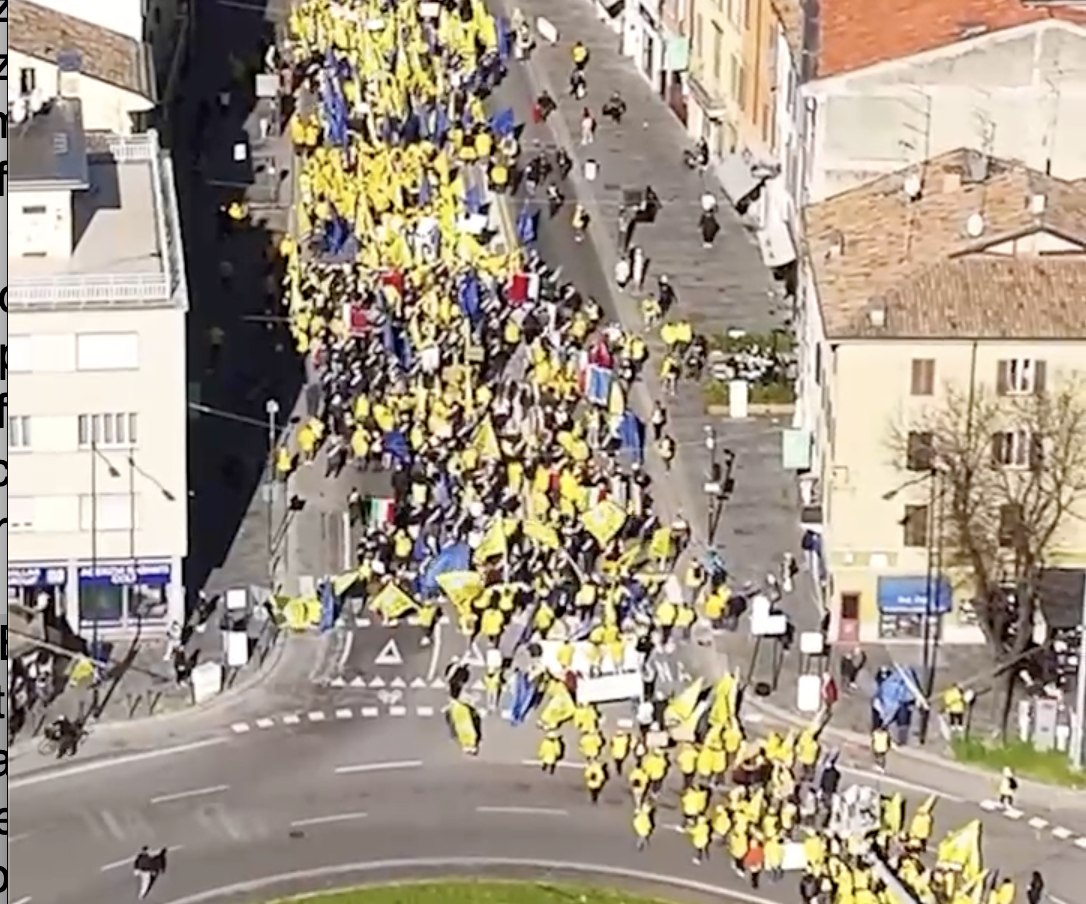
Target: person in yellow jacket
[(1008, 787), (954, 704), (595, 777), (620, 749), (284, 463), (550, 752), (687, 761), (639, 783), (701, 834), (880, 747), (643, 824), (591, 745)]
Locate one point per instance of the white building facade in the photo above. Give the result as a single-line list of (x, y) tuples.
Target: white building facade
[(98, 496)]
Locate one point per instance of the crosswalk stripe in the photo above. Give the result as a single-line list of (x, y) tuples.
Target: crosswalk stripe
[(344, 714), (397, 710), (424, 711), (292, 719), (316, 716), (240, 727), (370, 712)]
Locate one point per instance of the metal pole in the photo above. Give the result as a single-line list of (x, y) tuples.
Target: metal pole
[(272, 408), (94, 533), (1078, 736), (132, 508), (925, 711)]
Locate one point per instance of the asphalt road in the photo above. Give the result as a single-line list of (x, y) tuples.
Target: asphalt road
[(339, 796)]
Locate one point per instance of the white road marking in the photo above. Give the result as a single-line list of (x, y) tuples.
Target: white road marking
[(292, 719), (370, 712), (315, 716), (25, 900), (240, 727), (523, 811), (424, 711), (435, 653), (15, 839), (397, 710), (195, 792), (390, 654), (1080, 842), (418, 684), (397, 682), (1062, 833), (117, 761), (991, 805), (344, 714), (1038, 823), (117, 864), (378, 767), (364, 622), (265, 723), (323, 820), (885, 779), (625, 724), (1012, 813), (562, 764), (358, 681)]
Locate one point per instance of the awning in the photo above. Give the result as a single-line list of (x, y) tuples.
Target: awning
[(711, 106), (737, 176), (676, 53), (775, 241), (908, 595)]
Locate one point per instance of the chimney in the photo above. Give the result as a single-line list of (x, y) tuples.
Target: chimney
[(952, 182), (69, 69)]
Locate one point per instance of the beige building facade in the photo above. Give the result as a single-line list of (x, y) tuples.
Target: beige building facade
[(961, 275), (98, 500)]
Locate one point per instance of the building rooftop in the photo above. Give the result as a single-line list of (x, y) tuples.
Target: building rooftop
[(127, 237), (854, 34), (929, 261), (116, 59), (49, 147)]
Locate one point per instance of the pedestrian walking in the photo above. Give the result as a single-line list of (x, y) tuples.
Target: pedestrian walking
[(147, 867), (588, 127)]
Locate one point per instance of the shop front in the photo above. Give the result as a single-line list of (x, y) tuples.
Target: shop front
[(125, 595), (38, 588), (906, 602), (643, 42)]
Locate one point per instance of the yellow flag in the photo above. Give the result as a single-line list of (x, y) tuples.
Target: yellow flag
[(493, 543), (604, 520), (960, 850), (464, 721), (81, 670), (461, 587), (543, 534), (723, 709), (485, 441), (660, 546), (392, 602), (682, 706), (558, 709)]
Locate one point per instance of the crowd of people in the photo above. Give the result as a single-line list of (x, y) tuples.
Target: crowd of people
[(522, 503)]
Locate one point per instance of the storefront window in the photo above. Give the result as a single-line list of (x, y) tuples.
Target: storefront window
[(102, 603), (148, 603), (907, 626), (39, 599)]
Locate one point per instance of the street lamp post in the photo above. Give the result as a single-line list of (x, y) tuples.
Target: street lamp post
[(272, 409), (113, 472), (712, 483), (933, 586)]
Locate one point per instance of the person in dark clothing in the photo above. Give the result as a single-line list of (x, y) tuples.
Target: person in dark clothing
[(709, 226), (615, 108), (1036, 889)]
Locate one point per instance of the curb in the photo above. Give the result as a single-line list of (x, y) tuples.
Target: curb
[(257, 678)]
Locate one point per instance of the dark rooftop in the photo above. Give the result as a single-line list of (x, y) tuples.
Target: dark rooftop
[(50, 148)]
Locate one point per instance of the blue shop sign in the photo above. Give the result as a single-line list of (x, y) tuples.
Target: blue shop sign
[(37, 576), (909, 595), (127, 574)]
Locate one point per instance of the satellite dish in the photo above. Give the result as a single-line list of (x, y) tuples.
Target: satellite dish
[(974, 226), (912, 186)]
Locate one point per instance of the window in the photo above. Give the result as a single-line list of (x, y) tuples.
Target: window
[(48, 353), (919, 450), (1010, 525), (915, 526), (20, 354), (850, 607), (118, 431), (1017, 449), (19, 435), (34, 210), (718, 52), (28, 81), (21, 513), (107, 351), (1020, 376), (922, 382), (114, 512)]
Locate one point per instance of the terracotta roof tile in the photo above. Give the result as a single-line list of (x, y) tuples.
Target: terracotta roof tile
[(108, 56), (859, 33), (872, 246)]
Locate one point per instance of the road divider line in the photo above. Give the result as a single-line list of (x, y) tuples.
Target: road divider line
[(195, 792), (25, 900), (323, 820), (126, 760), (883, 778), (390, 766), (265, 723), (522, 811)]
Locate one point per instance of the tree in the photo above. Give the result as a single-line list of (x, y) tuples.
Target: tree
[(1010, 480)]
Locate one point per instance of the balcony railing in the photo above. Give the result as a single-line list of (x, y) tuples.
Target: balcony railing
[(121, 290)]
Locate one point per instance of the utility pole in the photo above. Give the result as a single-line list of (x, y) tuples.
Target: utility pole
[(1078, 737), (272, 486)]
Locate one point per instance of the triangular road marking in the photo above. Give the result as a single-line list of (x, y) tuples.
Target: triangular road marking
[(439, 684), (338, 682), (474, 658), (358, 681), (389, 655), (418, 683), (377, 682), (397, 682)]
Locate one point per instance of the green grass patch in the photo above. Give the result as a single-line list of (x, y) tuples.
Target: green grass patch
[(1049, 766), (468, 892)]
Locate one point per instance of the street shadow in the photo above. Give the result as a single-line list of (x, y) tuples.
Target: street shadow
[(240, 352)]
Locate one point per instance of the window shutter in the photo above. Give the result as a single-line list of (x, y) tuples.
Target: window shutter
[(1036, 452), (999, 442), (1040, 374), (1003, 377)]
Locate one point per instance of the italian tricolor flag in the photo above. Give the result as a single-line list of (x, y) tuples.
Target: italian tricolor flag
[(379, 511)]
